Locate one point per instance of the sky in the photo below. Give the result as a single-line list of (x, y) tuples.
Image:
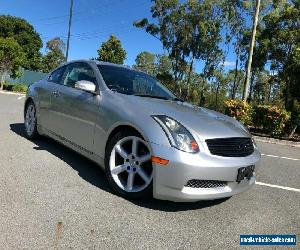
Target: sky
[(93, 22)]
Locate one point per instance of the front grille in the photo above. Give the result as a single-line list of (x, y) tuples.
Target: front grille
[(230, 147), (205, 184)]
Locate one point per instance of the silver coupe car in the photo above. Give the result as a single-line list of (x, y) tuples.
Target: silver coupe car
[(148, 141)]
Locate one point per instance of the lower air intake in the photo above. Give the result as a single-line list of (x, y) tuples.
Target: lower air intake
[(205, 184)]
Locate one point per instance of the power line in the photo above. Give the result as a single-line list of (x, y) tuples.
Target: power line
[(94, 33), (87, 18), (77, 13), (89, 35), (100, 33)]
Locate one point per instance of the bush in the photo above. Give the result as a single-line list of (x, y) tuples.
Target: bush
[(272, 119), (19, 88), (5, 85), (293, 124), (239, 110)]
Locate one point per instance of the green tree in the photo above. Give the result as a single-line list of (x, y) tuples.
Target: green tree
[(206, 20), (189, 31), (279, 44), (27, 38), (112, 51), (164, 64), (145, 61), (55, 54), (11, 58), (234, 80), (237, 12), (168, 28), (260, 90)]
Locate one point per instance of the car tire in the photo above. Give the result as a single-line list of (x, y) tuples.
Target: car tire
[(30, 121), (120, 182)]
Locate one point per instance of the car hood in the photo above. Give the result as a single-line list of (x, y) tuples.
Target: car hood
[(201, 121)]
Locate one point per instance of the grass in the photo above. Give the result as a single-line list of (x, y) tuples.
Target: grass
[(20, 88)]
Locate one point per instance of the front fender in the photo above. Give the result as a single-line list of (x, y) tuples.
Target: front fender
[(31, 95), (147, 127)]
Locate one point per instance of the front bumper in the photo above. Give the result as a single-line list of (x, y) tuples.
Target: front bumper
[(170, 181)]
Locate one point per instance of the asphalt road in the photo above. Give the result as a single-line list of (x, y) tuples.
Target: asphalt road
[(53, 198)]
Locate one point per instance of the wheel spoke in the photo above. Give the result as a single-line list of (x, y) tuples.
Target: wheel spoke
[(130, 181), (31, 111), (118, 169), (30, 119), (134, 146), (121, 151), (124, 173), (27, 115), (27, 118), (144, 176), (32, 122), (26, 123), (30, 128), (144, 158)]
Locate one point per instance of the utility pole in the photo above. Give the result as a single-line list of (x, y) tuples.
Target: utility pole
[(69, 31), (249, 63)]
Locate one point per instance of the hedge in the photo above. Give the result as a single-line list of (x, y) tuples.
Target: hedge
[(19, 88), (271, 119), (239, 110)]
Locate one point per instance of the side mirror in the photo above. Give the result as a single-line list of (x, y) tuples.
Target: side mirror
[(85, 86)]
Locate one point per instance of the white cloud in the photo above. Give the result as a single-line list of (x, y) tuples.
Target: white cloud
[(229, 64)]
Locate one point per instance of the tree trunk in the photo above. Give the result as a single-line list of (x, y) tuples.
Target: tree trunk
[(201, 98), (250, 97), (217, 93), (249, 64), (235, 78), (293, 131), (189, 77), (2, 81), (269, 93), (190, 71), (287, 94)]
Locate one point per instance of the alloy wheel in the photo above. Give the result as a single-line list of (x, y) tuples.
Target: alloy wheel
[(30, 119), (130, 164)]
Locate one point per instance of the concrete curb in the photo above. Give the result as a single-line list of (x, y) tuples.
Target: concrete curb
[(276, 141), (11, 93)]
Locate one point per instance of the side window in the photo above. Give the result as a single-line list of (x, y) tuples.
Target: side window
[(78, 72), (57, 75)]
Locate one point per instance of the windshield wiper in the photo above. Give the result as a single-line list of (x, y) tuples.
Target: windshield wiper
[(152, 96)]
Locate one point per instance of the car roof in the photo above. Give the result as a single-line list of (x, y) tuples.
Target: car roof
[(98, 63)]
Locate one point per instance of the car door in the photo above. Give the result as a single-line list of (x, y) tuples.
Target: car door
[(45, 90), (74, 111)]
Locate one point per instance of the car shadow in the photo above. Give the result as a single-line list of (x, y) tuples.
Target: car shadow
[(92, 173)]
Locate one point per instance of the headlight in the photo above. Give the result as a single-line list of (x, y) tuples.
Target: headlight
[(254, 143), (242, 126), (179, 137)]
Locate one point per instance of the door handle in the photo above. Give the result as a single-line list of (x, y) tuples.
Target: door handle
[(55, 93)]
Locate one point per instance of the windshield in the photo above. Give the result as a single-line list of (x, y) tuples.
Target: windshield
[(131, 82)]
